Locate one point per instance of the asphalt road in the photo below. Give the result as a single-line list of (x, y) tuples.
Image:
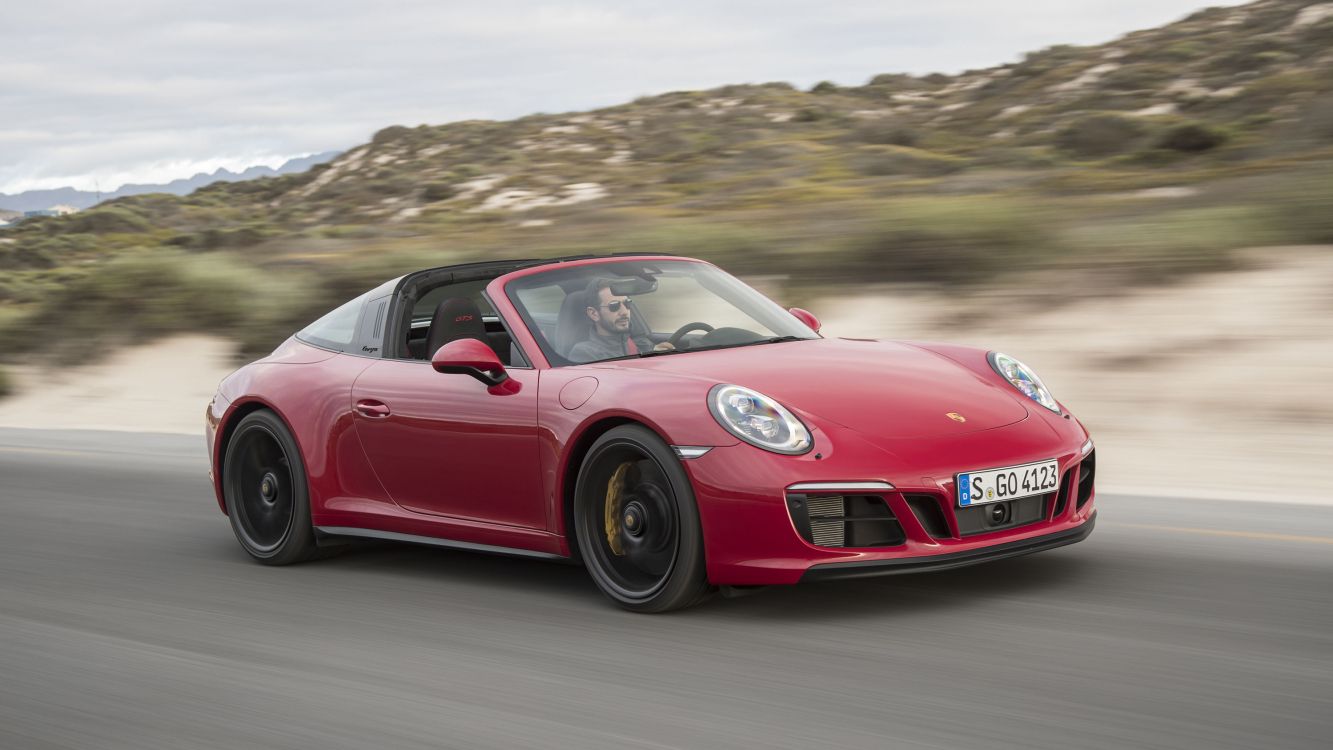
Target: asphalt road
[(129, 618)]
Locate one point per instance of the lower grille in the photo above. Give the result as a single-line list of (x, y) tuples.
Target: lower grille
[(981, 519), (927, 510), (1062, 499), (1086, 471), (845, 520)]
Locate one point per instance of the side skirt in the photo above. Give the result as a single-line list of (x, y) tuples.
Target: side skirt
[(393, 536)]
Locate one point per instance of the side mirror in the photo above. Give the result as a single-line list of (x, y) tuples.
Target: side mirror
[(470, 357), (806, 317)]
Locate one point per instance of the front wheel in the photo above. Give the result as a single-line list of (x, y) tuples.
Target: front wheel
[(637, 523), (264, 485)]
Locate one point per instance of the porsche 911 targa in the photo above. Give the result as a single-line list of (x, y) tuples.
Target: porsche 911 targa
[(649, 416)]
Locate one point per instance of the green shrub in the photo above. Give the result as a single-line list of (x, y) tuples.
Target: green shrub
[(1192, 138), (939, 240), (107, 219), (824, 87), (809, 114), (390, 134), (1299, 211), (6, 386), (1164, 246), (906, 161), (162, 292), (1140, 76), (885, 132), (438, 191), (1099, 135)]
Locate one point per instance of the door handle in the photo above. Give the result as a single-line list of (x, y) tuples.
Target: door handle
[(371, 408)]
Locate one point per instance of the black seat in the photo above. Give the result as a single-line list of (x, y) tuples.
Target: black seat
[(455, 318), (573, 325)]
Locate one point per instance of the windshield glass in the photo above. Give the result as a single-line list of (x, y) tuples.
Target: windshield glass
[(645, 308)]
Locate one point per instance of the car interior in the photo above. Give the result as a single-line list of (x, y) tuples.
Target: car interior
[(451, 311)]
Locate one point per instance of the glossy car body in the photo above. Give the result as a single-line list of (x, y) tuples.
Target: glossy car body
[(394, 449)]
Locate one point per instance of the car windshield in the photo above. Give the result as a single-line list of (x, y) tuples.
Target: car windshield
[(645, 308)]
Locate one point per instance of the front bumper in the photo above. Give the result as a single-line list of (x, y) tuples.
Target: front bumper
[(949, 561), (751, 535)]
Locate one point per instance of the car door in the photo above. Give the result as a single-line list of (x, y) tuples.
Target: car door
[(443, 444)]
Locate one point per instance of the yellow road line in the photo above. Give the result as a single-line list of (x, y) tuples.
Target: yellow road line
[(1220, 532)]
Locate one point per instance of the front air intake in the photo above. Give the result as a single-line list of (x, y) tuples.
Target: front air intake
[(1086, 471), (1062, 499), (845, 520), (930, 514)]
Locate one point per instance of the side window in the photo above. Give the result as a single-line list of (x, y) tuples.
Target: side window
[(459, 300), (337, 329)]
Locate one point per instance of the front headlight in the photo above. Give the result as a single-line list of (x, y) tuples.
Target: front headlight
[(758, 420), (1024, 379)]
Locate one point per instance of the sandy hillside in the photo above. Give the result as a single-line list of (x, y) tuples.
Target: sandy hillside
[(1218, 387)]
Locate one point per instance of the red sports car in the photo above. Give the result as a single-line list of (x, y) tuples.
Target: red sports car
[(650, 416)]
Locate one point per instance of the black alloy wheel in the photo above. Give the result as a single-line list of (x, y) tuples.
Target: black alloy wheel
[(267, 497), (637, 523)]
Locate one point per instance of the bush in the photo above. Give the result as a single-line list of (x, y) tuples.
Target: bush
[(954, 240), (149, 295), (1192, 138), (1299, 213), (885, 132), (907, 161), (1164, 246), (6, 386), (106, 220), (824, 87), (438, 191), (1099, 135)]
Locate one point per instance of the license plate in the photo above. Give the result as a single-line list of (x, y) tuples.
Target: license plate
[(998, 485)]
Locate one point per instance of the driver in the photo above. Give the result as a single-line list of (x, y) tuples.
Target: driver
[(610, 336)]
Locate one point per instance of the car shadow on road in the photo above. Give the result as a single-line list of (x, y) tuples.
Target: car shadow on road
[(1052, 572), (1049, 574)]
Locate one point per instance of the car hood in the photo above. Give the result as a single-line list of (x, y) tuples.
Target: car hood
[(878, 388)]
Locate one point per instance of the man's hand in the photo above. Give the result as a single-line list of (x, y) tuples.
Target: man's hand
[(664, 346)]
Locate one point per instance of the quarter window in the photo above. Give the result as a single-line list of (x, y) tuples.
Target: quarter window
[(337, 329)]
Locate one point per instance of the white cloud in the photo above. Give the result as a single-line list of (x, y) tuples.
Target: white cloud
[(133, 89)]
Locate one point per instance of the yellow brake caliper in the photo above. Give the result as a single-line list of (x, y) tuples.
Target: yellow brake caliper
[(615, 490)]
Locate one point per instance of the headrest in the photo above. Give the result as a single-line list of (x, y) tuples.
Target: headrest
[(455, 318)]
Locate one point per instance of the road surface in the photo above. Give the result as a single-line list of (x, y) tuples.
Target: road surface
[(130, 618)]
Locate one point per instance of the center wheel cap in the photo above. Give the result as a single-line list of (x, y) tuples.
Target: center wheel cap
[(268, 488), (635, 519)]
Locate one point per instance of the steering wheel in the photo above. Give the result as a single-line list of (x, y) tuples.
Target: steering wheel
[(680, 332)]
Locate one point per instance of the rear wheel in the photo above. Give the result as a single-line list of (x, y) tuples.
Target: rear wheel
[(267, 496), (637, 523)]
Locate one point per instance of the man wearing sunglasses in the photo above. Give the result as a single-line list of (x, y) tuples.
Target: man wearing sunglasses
[(610, 334)]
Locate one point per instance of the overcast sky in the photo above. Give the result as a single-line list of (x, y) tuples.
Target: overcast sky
[(113, 91)]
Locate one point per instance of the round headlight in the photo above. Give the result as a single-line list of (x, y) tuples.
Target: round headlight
[(1024, 379), (758, 420)]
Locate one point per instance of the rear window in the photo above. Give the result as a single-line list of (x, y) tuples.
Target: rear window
[(337, 329)]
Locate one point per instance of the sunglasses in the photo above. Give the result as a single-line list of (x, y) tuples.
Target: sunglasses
[(614, 305)]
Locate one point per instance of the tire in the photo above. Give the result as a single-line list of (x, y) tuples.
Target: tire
[(266, 491), (647, 554)]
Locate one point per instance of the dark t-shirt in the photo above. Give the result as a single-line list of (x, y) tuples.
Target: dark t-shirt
[(601, 347)]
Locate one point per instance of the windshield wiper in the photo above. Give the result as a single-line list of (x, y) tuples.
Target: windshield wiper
[(660, 352), (769, 340)]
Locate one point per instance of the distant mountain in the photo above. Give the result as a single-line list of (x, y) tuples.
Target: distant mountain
[(35, 200)]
